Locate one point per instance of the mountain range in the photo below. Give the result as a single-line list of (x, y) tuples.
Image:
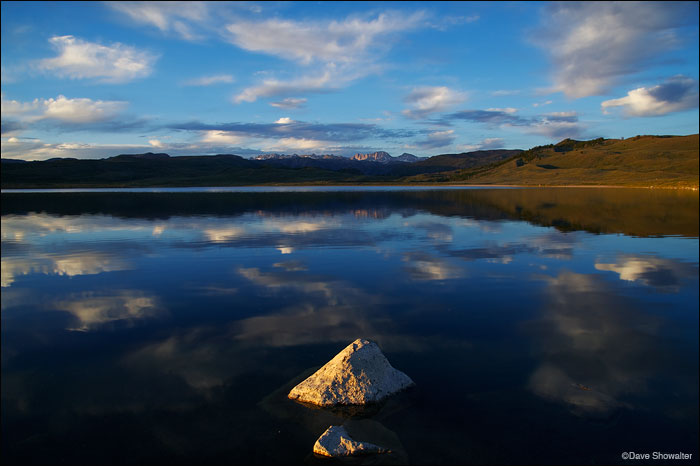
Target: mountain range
[(638, 161)]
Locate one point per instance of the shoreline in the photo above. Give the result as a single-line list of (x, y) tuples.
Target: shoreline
[(306, 185)]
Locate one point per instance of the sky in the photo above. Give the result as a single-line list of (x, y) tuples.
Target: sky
[(97, 79)]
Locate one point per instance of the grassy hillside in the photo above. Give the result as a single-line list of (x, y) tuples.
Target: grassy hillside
[(665, 161)]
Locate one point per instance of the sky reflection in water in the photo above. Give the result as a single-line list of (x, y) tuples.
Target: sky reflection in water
[(138, 320)]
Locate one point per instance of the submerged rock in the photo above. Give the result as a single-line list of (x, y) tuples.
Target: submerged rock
[(358, 375), (336, 442)]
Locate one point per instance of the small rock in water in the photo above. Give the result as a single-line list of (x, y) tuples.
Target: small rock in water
[(336, 441), (358, 375)]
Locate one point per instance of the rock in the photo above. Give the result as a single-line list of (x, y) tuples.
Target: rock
[(358, 375), (336, 442)]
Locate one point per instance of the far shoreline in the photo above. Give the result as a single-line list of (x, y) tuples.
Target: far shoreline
[(306, 185)]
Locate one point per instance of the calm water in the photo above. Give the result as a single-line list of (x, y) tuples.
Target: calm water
[(540, 325)]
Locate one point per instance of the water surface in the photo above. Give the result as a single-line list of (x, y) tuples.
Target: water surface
[(540, 325)]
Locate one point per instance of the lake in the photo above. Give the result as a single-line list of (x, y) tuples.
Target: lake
[(548, 326)]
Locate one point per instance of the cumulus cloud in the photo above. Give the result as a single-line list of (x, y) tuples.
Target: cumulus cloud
[(210, 80), (115, 63), (70, 114), (427, 100), (594, 44), (674, 95)]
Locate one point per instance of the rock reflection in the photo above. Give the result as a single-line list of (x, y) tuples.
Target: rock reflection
[(663, 274)]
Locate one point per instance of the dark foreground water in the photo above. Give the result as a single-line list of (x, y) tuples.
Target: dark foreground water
[(540, 325)]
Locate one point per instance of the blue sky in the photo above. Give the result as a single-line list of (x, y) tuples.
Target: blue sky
[(92, 80)]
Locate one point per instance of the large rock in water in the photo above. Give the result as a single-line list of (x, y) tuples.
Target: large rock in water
[(336, 441), (358, 375)]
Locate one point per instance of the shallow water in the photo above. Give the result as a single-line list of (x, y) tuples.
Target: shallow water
[(540, 325)]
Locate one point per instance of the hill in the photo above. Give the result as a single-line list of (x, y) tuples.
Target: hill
[(664, 161)]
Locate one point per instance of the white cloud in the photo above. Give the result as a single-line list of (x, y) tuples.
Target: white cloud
[(427, 100), (92, 310), (210, 80), (34, 149), (340, 51), (78, 110), (294, 144), (488, 143), (594, 44), (435, 139), (542, 104), (79, 59), (156, 143), (305, 42), (289, 103), (284, 121), (222, 137), (81, 110), (508, 110), (502, 92), (677, 94), (274, 87), (166, 16)]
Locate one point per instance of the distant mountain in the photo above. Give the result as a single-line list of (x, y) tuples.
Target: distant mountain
[(146, 156), (11, 161), (381, 157), (410, 158)]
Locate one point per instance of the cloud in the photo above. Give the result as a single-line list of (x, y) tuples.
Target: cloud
[(222, 137), (427, 100), (674, 95), (344, 41), (92, 310), (338, 132), (502, 92), (272, 87), (79, 59), (166, 16), (663, 274), (289, 103), (423, 267), (594, 44), (69, 264), (209, 80), (557, 125), (436, 139), (339, 51), (35, 149), (485, 144)]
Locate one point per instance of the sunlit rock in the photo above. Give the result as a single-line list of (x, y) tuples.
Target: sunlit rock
[(358, 375), (336, 442)]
